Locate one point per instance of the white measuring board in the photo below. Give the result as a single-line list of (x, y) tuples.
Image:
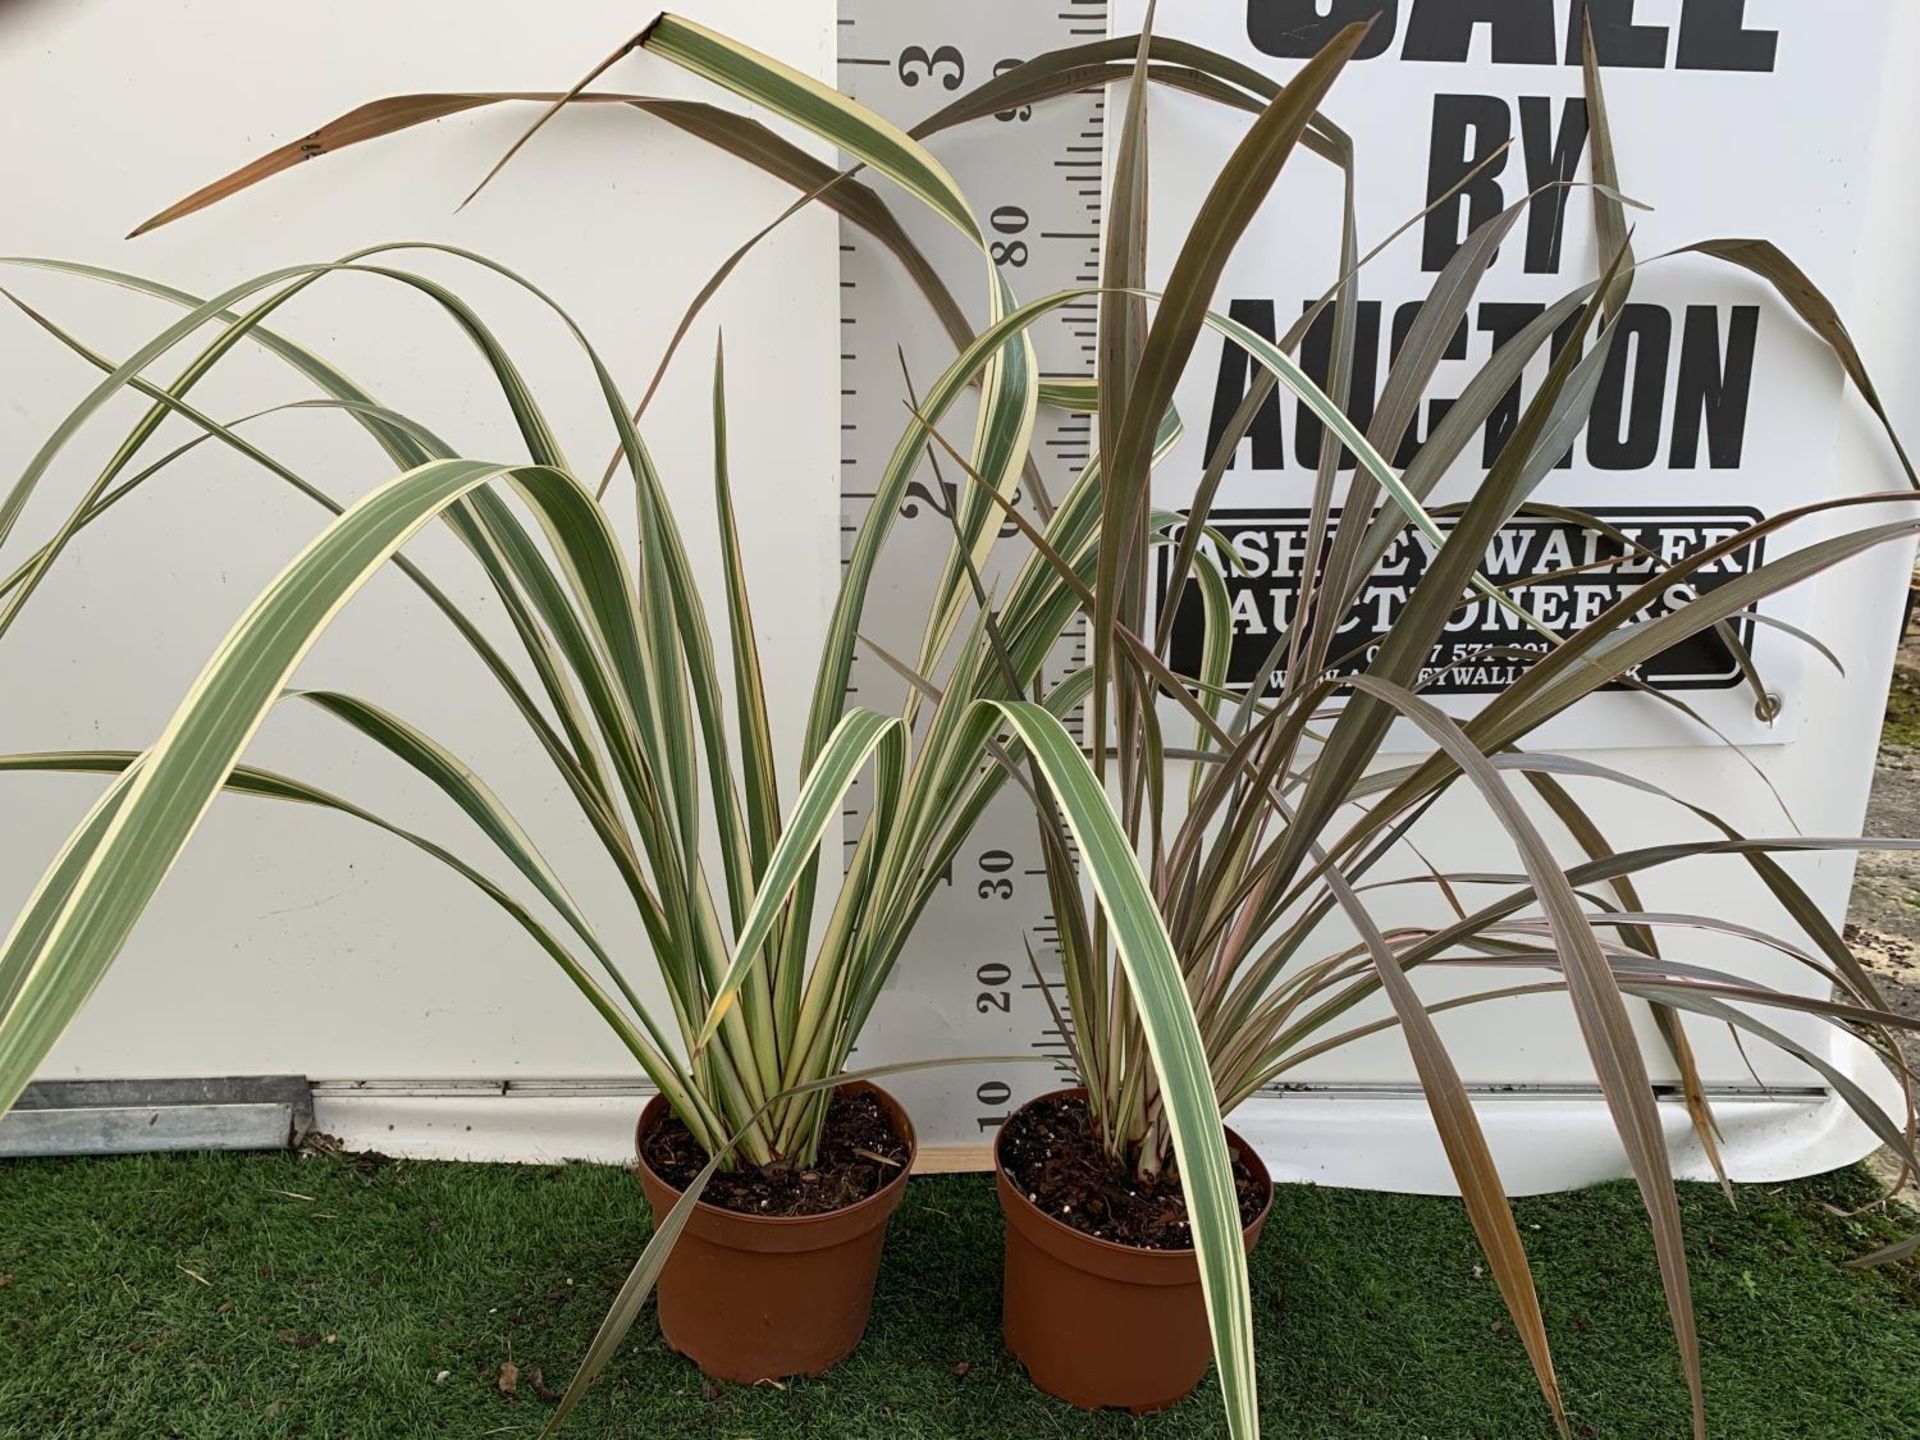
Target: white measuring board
[(964, 985)]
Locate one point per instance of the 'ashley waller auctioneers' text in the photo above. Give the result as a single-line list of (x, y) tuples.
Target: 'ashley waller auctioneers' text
[(1561, 572)]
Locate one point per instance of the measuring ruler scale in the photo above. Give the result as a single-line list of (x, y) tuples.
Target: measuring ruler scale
[(1034, 177)]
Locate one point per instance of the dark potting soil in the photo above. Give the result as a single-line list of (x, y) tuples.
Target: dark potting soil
[(859, 1155), (1053, 1154)]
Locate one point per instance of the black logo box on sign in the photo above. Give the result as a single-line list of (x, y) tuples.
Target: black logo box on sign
[(1484, 647)]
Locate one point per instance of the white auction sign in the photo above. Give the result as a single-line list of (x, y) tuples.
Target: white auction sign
[(1716, 406)]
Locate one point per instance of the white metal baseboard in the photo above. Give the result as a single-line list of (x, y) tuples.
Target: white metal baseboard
[(1371, 1136)]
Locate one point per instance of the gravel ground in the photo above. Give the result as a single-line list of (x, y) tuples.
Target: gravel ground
[(1884, 917)]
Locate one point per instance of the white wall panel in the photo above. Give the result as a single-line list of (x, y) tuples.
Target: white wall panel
[(289, 941)]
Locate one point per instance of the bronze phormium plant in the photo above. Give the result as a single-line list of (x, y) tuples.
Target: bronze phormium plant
[(1285, 822)]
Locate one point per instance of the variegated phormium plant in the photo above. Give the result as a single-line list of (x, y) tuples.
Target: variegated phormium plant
[(617, 672)]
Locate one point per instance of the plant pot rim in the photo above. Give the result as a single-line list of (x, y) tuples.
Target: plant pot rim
[(1080, 1237), (887, 1195)]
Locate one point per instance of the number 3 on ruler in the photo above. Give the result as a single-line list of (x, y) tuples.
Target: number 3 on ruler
[(916, 64)]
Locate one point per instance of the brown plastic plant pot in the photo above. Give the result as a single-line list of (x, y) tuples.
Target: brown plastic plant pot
[(750, 1298), (1100, 1324)]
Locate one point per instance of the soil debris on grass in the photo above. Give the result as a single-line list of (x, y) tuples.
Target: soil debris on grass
[(319, 1143), (1053, 1153), (859, 1155)]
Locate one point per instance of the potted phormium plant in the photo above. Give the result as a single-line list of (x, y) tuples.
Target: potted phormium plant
[(1284, 818), (772, 1166)]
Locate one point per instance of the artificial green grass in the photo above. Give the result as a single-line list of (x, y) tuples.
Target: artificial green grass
[(272, 1295)]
